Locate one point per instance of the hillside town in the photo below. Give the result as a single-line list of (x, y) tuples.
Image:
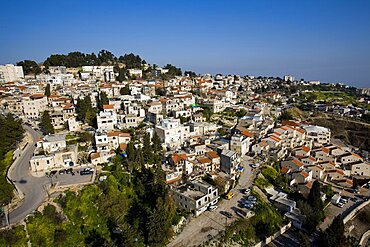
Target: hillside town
[(226, 146)]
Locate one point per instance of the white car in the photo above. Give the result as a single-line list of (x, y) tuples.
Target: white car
[(212, 208), (340, 205), (247, 191), (255, 165)]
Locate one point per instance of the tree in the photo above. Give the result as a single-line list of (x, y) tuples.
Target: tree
[(47, 127), (156, 142), (173, 71), (85, 111), (147, 149), (125, 90), (333, 236), (106, 57), (29, 67), (102, 100), (160, 221), (47, 90), (131, 61), (122, 75), (314, 198), (207, 113), (190, 73)]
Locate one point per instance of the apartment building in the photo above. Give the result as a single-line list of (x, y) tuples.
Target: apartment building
[(172, 133), (107, 119), (10, 73), (34, 105), (195, 197), (230, 161), (317, 134)]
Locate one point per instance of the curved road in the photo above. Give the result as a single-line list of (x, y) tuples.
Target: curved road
[(32, 188)]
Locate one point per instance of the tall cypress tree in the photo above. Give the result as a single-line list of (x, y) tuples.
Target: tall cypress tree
[(46, 123), (47, 90)]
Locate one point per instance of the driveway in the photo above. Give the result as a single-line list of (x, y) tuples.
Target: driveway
[(209, 224)]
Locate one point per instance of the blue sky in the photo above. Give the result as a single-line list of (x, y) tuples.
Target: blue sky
[(317, 40)]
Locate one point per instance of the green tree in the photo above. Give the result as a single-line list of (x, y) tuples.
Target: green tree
[(85, 111), (131, 61), (314, 198), (156, 142), (173, 71), (190, 73), (29, 67), (47, 90), (207, 113), (102, 100), (46, 124), (122, 75), (159, 223), (147, 149), (125, 90), (333, 236)]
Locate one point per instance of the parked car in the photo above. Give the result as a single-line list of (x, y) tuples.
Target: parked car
[(212, 208), (62, 171), (227, 214), (85, 173), (251, 198), (246, 191), (229, 195), (255, 165), (340, 204), (343, 200), (52, 173)]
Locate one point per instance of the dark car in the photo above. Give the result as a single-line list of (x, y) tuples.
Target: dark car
[(62, 171), (85, 173), (354, 199), (52, 173), (227, 214)]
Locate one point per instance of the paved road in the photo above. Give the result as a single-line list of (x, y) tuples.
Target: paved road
[(31, 187), (209, 224), (35, 189)]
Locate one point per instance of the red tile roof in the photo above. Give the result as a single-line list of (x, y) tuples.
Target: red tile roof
[(178, 157), (107, 106), (247, 133), (212, 154), (306, 149), (297, 162)]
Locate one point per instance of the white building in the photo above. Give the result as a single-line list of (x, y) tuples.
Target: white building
[(196, 197), (240, 144), (34, 105), (172, 133), (10, 73), (56, 154), (317, 134), (106, 120), (135, 72), (105, 73), (289, 78), (106, 141)]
